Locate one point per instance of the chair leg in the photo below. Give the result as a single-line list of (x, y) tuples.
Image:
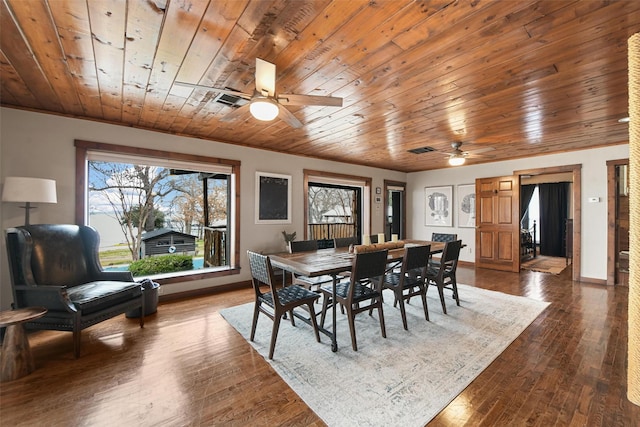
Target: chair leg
[(313, 321), (256, 311), (76, 335), (424, 304), (382, 327), (441, 292), (293, 322), (352, 329), (403, 312), (142, 308), (454, 286), (274, 334), (76, 342)]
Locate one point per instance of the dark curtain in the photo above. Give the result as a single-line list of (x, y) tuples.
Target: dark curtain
[(554, 205), (526, 192)]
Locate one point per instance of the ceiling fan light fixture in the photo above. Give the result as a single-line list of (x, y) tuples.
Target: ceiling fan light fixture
[(264, 109), (456, 160)]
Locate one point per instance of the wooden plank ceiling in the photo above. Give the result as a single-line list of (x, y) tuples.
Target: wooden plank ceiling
[(510, 78)]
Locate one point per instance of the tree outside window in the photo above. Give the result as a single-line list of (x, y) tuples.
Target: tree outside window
[(143, 198)]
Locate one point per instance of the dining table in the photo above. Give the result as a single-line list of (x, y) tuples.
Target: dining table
[(332, 262)]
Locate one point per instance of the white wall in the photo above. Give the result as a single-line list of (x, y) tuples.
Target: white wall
[(594, 184), (41, 145)]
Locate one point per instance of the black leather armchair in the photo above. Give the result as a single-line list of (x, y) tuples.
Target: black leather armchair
[(57, 267)]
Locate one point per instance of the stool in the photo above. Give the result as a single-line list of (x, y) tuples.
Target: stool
[(16, 361)]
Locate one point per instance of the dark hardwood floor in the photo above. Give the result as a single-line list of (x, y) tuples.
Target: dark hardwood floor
[(189, 367)]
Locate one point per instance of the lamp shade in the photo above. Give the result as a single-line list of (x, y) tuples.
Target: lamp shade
[(456, 160), (264, 109), (21, 189)]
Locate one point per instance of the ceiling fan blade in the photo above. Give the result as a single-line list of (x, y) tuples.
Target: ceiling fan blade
[(236, 113), (481, 150), (293, 99), (214, 89), (265, 77), (479, 156), (288, 117), (480, 153)]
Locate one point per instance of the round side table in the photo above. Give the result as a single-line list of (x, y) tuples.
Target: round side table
[(16, 360)]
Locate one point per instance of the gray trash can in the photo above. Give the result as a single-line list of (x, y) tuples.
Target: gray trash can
[(151, 292)]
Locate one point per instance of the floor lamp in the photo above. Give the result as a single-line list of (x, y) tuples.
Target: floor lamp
[(29, 190)]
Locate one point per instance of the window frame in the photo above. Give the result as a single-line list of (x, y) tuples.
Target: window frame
[(81, 209), (340, 180)]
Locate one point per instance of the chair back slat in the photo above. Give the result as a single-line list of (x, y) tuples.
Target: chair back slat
[(325, 243), (443, 237), (369, 265), (450, 255), (262, 274), (344, 242), (303, 246), (416, 257)]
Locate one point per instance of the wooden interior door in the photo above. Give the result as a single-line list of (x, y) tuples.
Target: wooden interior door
[(498, 223)]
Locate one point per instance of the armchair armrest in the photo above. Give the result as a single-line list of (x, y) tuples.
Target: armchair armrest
[(55, 298), (116, 276)]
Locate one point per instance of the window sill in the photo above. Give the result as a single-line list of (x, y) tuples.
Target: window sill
[(182, 276)]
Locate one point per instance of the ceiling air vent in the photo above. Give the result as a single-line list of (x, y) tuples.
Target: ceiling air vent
[(422, 150), (231, 100)]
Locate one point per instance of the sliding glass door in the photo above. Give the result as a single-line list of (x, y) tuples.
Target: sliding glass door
[(333, 211)]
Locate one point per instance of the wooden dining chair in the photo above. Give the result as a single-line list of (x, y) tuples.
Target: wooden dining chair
[(441, 238), (354, 295), (444, 274), (279, 300), (345, 242), (311, 283), (303, 246), (410, 281)]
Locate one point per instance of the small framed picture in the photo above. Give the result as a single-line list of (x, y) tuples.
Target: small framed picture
[(438, 205), (467, 205), (273, 198), (378, 190)]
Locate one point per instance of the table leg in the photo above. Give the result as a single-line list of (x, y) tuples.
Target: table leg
[(16, 361), (334, 341)]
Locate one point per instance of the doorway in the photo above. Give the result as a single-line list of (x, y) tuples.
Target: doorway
[(618, 222), (575, 208), (336, 205), (395, 209), (545, 208)]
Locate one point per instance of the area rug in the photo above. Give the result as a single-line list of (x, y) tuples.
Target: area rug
[(405, 379), (546, 264)]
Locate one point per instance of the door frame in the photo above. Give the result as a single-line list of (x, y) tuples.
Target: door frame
[(611, 218), (338, 179), (576, 194), (403, 220)]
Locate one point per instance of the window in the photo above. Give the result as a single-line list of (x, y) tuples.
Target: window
[(336, 205), (134, 195)]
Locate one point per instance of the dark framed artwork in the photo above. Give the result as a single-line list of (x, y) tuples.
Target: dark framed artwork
[(273, 198), (438, 206)]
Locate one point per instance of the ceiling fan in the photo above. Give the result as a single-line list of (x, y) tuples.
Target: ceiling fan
[(457, 157), (265, 103)]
